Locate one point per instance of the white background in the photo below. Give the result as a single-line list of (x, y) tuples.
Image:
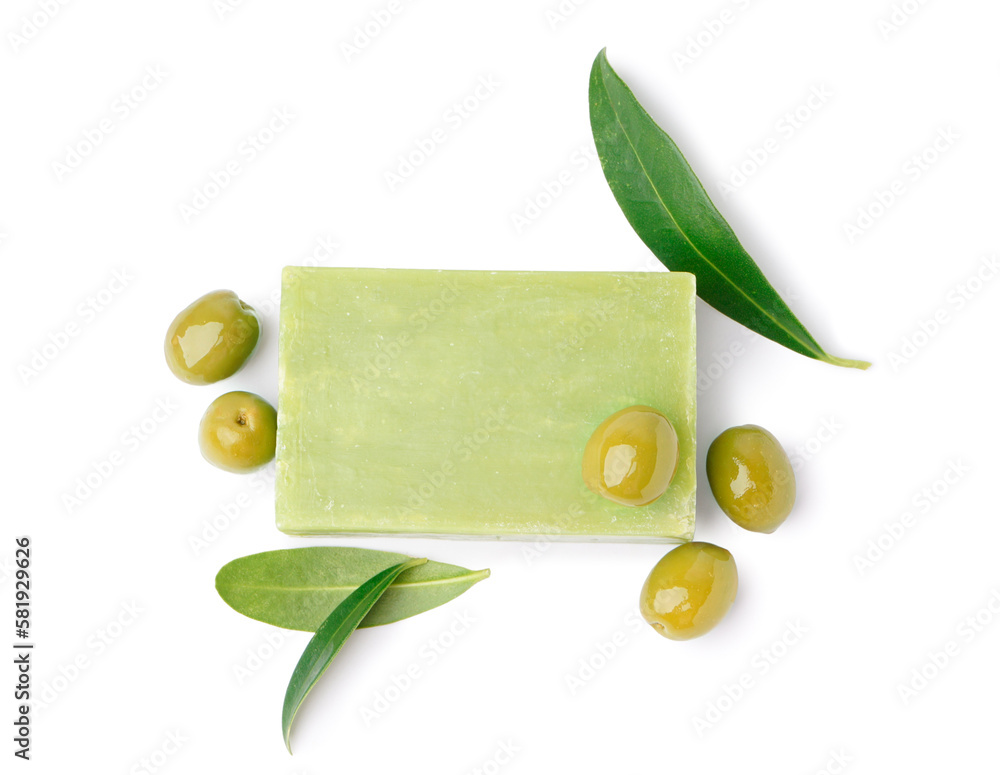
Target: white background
[(530, 668)]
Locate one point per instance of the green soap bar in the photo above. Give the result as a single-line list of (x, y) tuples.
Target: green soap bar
[(459, 403)]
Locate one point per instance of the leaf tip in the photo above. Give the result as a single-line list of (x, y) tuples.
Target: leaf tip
[(848, 363), (218, 576), (286, 725), (601, 61)]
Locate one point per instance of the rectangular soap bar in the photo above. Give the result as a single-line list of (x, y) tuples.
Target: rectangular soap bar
[(459, 403)]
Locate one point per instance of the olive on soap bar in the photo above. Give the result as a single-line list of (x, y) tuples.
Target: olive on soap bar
[(631, 457), (751, 478), (211, 338), (689, 590)]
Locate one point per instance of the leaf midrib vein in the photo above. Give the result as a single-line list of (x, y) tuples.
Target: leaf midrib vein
[(687, 239), (428, 583)]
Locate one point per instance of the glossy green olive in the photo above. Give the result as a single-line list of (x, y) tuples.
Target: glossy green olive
[(211, 338), (689, 591), (751, 478), (238, 432), (631, 457)]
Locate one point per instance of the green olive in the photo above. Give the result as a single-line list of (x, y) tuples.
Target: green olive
[(238, 432), (751, 478), (689, 591), (211, 338), (631, 457)]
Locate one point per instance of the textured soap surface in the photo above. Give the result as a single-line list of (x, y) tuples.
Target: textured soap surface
[(459, 403)]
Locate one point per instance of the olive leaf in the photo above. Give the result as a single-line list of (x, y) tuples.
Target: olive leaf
[(297, 588), (671, 212), (330, 638)]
